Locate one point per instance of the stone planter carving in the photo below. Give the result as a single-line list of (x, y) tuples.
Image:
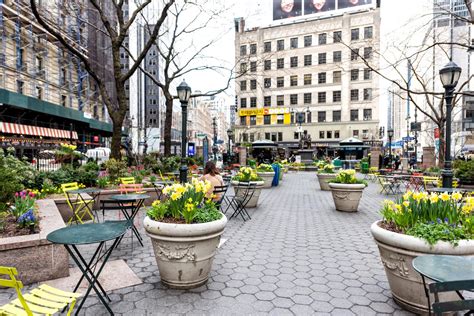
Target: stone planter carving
[(184, 252), (397, 252), (267, 178), (323, 179), (346, 196), (258, 189)]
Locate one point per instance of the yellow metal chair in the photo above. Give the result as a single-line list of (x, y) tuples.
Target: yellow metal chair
[(79, 207), (44, 300), (430, 181), (127, 180), (455, 183)]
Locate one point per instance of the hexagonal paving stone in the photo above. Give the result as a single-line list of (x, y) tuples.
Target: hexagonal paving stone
[(265, 296)]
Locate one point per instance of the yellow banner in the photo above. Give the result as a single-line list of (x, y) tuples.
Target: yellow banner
[(263, 111), (287, 118)]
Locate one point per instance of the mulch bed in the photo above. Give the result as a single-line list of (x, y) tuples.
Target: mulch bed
[(391, 227), (11, 229)]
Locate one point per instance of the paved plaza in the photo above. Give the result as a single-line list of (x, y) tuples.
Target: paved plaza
[(296, 256)]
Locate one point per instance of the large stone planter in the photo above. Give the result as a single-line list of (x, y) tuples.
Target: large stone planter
[(397, 252), (184, 252), (267, 178), (346, 196), (35, 258), (323, 179), (240, 191)]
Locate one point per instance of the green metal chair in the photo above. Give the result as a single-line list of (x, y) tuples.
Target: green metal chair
[(452, 306)]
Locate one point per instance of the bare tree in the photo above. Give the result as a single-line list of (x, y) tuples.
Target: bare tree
[(116, 27)]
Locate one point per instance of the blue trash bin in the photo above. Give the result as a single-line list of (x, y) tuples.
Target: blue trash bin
[(276, 177)]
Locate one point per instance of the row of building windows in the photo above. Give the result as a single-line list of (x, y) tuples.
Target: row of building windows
[(307, 79), (307, 41), (307, 60), (322, 98), (278, 136)]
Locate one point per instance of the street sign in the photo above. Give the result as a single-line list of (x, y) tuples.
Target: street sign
[(200, 135), (415, 126), (407, 138)]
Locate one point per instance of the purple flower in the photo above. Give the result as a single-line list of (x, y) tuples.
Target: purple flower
[(438, 220), (446, 220)]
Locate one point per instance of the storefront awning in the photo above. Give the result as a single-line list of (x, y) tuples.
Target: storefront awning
[(20, 129)]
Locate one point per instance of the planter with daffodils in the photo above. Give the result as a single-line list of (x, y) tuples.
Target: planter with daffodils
[(267, 173), (346, 190), (245, 176), (325, 174), (185, 231), (418, 224)]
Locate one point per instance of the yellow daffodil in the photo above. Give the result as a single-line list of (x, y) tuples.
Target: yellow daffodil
[(175, 196), (434, 198), (456, 196), (444, 196), (398, 208), (407, 195), (424, 196), (406, 203), (156, 203), (417, 196), (466, 209)]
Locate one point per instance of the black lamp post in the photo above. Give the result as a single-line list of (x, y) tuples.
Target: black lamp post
[(229, 152), (184, 94), (214, 139), (390, 135), (449, 74)]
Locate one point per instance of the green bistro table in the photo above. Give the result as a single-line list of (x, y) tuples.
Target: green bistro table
[(442, 268), (93, 233), (130, 204), (92, 192)]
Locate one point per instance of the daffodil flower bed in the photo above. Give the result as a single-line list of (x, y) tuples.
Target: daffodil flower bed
[(185, 203), (432, 217), (324, 167), (347, 177), (246, 174)]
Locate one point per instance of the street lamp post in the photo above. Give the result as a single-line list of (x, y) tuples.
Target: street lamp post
[(184, 94), (229, 152), (390, 135), (214, 140), (449, 74)]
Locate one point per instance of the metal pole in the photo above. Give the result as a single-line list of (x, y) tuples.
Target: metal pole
[(447, 171), (183, 170), (390, 151)]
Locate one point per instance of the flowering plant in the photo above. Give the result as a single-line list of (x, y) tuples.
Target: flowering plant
[(186, 202), (246, 174), (347, 177), (264, 168), (24, 201), (27, 219), (432, 217), (324, 167)]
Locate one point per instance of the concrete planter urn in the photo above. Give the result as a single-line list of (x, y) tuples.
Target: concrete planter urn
[(267, 178), (397, 252), (346, 196), (258, 189), (184, 252), (323, 179)]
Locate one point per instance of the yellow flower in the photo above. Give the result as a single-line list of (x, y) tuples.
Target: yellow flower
[(407, 195), (388, 202), (456, 196), (398, 208), (156, 203), (466, 209), (444, 196), (434, 198), (175, 196), (424, 196), (406, 203), (189, 207), (417, 196)]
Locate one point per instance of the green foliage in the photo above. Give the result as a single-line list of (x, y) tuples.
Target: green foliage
[(252, 163), (264, 168), (11, 180), (158, 210), (207, 213), (116, 169), (433, 169), (347, 177), (102, 182), (153, 179), (464, 171), (48, 187), (246, 174), (3, 220), (137, 175), (24, 201), (324, 167), (170, 164), (439, 231)]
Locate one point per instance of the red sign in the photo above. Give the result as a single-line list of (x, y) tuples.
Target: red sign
[(96, 139), (436, 132)]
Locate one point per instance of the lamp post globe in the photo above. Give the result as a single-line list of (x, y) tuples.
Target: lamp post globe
[(184, 94), (449, 76)]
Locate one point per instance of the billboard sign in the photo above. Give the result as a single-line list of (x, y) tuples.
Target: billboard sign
[(191, 149), (283, 9)]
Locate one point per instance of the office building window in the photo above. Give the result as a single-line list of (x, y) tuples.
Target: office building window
[(354, 74), (280, 118), (321, 134), (243, 50), (354, 115), (308, 117), (267, 120), (267, 135), (253, 84), (367, 74), (253, 66), (267, 101), (336, 56), (267, 47), (243, 85), (354, 34), (308, 60), (321, 97), (308, 78), (253, 102), (280, 136), (368, 32), (293, 99), (63, 101), (328, 134), (368, 94), (243, 102), (296, 135), (267, 64), (280, 45), (280, 82), (294, 61), (307, 98), (367, 52), (321, 58), (367, 114), (308, 40), (253, 120), (321, 77), (337, 36), (280, 100), (294, 42), (267, 82), (355, 133), (336, 134), (336, 116), (336, 76), (19, 86), (336, 96), (253, 49), (354, 54), (243, 120), (243, 67), (293, 81), (280, 63), (322, 38), (354, 95), (321, 116)]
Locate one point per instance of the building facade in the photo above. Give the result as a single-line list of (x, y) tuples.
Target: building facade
[(308, 75)]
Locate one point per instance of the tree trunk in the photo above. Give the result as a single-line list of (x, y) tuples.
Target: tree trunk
[(168, 123), (116, 139)]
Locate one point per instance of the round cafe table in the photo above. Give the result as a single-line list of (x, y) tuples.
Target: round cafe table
[(130, 204)]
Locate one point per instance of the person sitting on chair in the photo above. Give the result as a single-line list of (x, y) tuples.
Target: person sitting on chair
[(212, 175)]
